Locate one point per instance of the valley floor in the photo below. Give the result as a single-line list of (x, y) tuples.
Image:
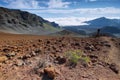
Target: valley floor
[(25, 57)]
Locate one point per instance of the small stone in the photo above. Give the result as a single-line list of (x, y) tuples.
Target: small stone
[(33, 53), (28, 56), (24, 57), (19, 63), (107, 45), (93, 56), (91, 47), (47, 64), (48, 42), (39, 72), (39, 40), (68, 78)]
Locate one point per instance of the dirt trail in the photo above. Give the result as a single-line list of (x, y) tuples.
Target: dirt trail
[(114, 52)]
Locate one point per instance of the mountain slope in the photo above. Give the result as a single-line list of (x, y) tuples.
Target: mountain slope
[(16, 21), (110, 29), (65, 33)]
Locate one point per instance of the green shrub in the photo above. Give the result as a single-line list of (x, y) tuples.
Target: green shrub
[(86, 59), (74, 56)]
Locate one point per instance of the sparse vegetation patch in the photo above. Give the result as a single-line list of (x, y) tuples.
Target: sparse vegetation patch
[(74, 56)]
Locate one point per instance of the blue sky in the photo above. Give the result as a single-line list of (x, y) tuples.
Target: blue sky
[(67, 12)]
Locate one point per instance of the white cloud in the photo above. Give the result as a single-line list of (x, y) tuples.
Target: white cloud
[(90, 0), (58, 4), (6, 1), (79, 15), (35, 4), (75, 21), (67, 21), (23, 4), (82, 11)]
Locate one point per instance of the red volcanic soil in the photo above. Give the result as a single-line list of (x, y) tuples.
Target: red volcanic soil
[(25, 57)]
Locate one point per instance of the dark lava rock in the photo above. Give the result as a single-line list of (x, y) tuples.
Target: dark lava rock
[(61, 59), (12, 54), (6, 50), (91, 47), (93, 56), (107, 45), (119, 43), (48, 42), (114, 68), (76, 44)]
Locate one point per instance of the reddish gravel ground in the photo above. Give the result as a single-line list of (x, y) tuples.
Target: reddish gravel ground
[(23, 57)]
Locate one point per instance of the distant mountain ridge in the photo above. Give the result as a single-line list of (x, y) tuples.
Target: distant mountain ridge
[(107, 26), (103, 21), (17, 21)]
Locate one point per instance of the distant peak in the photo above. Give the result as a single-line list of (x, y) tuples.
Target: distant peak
[(102, 18)]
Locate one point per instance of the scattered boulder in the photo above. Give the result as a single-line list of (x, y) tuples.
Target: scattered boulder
[(114, 68), (3, 58), (25, 57), (89, 47), (77, 44), (51, 72), (39, 72), (93, 56), (39, 40), (46, 64), (6, 50), (37, 51), (119, 43), (12, 54), (48, 42), (28, 56), (33, 53), (19, 63), (61, 59), (107, 45)]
